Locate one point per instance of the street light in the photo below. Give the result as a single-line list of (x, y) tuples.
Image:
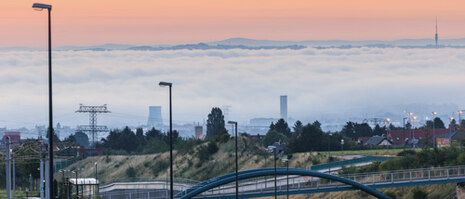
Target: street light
[(460, 117), (76, 183), (273, 148), (434, 131), (63, 177), (237, 178), (329, 152), (387, 123), (39, 7), (287, 176), (96, 179), (164, 84)]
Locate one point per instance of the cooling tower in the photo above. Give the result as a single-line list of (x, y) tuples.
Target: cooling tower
[(154, 116)]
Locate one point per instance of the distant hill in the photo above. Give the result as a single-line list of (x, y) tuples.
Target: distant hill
[(253, 44)]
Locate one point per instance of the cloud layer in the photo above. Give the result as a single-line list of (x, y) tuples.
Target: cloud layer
[(321, 84)]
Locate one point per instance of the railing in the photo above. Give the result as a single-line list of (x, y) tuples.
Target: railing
[(296, 183), (351, 162), (260, 185)]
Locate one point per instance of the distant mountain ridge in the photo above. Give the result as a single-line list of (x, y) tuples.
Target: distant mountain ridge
[(253, 44)]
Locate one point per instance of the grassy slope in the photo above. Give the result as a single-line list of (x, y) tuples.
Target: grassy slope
[(114, 167)]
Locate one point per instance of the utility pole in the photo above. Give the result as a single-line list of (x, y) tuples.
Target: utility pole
[(42, 188), (47, 181), (30, 183), (8, 171), (14, 176), (93, 128)]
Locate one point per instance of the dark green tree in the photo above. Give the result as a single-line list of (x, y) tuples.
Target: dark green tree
[(298, 127), (274, 136), (281, 127), (215, 123), (378, 130), (438, 123)]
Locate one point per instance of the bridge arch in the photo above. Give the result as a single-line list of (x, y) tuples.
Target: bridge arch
[(228, 178)]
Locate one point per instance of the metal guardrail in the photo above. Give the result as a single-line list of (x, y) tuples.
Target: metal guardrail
[(351, 162), (262, 186), (297, 184)]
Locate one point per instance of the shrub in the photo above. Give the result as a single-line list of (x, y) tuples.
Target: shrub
[(419, 193), (391, 195), (131, 172), (159, 166)]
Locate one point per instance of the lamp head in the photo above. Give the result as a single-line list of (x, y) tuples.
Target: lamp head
[(163, 84), (232, 122), (434, 112), (459, 112), (271, 147), (41, 6), (285, 160), (388, 119)]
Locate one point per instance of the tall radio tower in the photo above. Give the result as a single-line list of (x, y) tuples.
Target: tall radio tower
[(436, 35), (93, 128)]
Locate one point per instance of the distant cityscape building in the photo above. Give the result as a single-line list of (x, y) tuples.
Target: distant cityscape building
[(264, 122), (283, 107), (15, 138), (198, 130), (155, 119), (436, 35)]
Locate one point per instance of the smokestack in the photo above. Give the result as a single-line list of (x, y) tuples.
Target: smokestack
[(154, 116), (283, 106)]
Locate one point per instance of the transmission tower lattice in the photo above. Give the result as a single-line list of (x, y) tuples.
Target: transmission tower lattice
[(93, 128)]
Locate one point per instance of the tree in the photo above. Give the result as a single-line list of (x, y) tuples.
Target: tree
[(378, 130), (438, 123), (81, 139), (298, 127), (215, 123), (281, 127), (273, 136)]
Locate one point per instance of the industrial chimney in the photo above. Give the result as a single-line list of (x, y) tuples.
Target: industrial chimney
[(154, 116)]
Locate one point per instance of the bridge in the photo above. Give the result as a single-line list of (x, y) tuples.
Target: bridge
[(260, 182)]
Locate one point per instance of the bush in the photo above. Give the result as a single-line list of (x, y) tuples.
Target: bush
[(205, 152), (159, 166), (390, 194), (406, 152), (419, 193), (131, 172)]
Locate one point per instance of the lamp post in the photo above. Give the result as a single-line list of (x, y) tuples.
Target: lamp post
[(329, 153), (237, 178), (63, 177), (76, 183), (273, 149), (39, 7), (388, 120), (287, 176), (96, 179), (460, 117), (164, 84), (434, 130)]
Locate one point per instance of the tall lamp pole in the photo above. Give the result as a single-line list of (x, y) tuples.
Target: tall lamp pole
[(164, 84), (273, 149), (287, 176), (96, 180), (434, 131), (237, 178), (39, 7)]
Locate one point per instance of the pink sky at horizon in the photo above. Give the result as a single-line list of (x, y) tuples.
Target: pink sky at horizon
[(152, 22)]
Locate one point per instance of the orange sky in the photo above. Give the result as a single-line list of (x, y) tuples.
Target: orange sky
[(150, 22)]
